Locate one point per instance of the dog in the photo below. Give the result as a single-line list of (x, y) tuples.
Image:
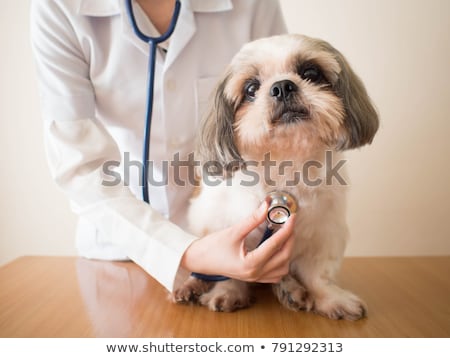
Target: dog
[(294, 101)]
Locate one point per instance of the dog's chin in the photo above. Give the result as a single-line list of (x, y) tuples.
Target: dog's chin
[(291, 115)]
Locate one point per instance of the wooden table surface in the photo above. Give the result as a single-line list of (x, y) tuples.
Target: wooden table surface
[(75, 297)]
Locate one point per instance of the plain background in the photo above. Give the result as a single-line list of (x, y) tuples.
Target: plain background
[(399, 198)]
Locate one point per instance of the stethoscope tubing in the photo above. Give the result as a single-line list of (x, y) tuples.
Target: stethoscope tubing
[(153, 43)]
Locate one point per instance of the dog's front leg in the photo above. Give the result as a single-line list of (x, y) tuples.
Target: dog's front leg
[(319, 248), (191, 290), (323, 295), (292, 294), (319, 293), (227, 296)]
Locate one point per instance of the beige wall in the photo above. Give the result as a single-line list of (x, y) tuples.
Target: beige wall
[(399, 196), (34, 216)]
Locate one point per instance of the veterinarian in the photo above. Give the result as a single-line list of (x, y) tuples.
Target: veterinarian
[(92, 72)]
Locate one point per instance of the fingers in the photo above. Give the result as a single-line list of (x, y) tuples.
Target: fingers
[(274, 275), (278, 264), (274, 244), (269, 262)]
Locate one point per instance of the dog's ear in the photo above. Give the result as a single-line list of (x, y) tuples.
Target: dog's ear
[(216, 141), (361, 118)]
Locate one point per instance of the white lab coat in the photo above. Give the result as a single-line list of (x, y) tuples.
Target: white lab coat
[(92, 73)]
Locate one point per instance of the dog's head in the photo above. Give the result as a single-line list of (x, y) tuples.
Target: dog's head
[(286, 94)]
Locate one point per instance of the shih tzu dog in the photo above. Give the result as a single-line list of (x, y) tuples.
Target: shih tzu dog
[(292, 101)]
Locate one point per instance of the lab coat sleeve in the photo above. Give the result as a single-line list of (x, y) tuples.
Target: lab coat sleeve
[(268, 19), (78, 145)]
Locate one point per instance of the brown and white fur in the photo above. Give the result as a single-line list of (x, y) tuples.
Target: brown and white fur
[(294, 98)]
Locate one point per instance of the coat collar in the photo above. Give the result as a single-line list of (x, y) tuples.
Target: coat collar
[(113, 7), (178, 40), (99, 7)]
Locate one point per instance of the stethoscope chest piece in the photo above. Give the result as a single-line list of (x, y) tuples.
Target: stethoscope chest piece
[(281, 206)]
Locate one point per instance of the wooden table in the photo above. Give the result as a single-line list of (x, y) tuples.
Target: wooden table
[(75, 297)]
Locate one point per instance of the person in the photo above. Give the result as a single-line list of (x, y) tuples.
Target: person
[(92, 75)]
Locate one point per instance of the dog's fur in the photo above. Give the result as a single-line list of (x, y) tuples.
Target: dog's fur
[(295, 98)]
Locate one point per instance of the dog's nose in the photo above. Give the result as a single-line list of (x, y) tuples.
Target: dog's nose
[(282, 90)]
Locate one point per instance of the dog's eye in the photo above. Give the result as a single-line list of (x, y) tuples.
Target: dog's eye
[(311, 72), (250, 90)]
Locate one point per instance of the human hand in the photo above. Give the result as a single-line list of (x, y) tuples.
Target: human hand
[(224, 252)]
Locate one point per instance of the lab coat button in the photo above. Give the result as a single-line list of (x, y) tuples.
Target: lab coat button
[(176, 142), (171, 85)]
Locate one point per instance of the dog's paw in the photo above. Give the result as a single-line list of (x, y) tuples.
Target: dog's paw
[(340, 304), (191, 290), (292, 295), (227, 296)]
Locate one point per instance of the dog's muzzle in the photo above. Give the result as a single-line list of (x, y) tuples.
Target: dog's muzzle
[(287, 108)]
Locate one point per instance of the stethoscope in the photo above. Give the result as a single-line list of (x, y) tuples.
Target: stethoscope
[(281, 204), (153, 43)]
